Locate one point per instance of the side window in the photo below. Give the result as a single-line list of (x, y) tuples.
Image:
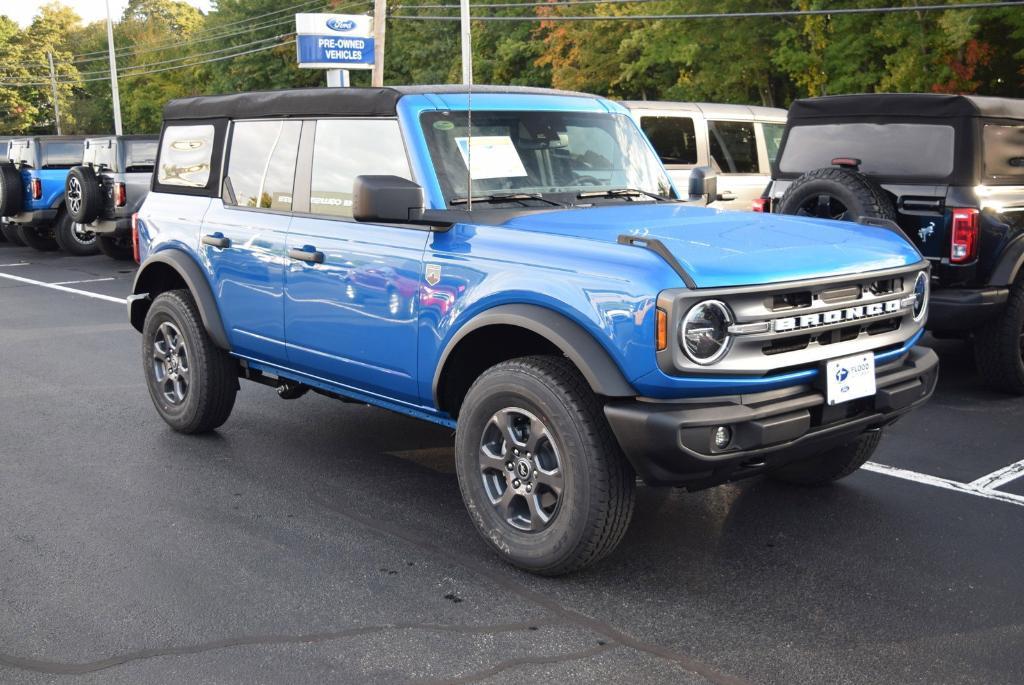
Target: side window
[(673, 138), (344, 149), (773, 139), (185, 155), (261, 164), (733, 147)]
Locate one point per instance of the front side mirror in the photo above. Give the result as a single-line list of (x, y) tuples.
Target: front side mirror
[(386, 199), (703, 185)]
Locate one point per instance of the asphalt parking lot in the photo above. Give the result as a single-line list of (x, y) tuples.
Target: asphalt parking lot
[(316, 541)]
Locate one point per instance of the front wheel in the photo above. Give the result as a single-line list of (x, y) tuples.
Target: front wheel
[(37, 238), (831, 465), (116, 247), (191, 381), (540, 472), (74, 238)]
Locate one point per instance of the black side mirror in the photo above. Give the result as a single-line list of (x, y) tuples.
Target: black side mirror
[(703, 185), (386, 199)]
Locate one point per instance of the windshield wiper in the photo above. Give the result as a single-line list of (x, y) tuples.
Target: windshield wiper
[(504, 197), (622, 192)]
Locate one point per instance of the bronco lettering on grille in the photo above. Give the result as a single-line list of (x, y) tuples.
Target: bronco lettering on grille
[(834, 316)]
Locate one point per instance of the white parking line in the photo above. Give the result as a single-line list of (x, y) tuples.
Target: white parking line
[(1001, 477), (925, 479), (88, 280), (18, 264), (54, 286)]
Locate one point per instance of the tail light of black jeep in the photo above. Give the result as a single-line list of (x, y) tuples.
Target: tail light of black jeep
[(964, 234), (120, 195), (135, 237), (761, 204), (37, 189)]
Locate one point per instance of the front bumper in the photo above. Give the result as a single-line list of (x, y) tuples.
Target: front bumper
[(670, 443), (961, 309), (38, 217)]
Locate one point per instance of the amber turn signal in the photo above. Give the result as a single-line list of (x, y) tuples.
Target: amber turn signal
[(661, 336)]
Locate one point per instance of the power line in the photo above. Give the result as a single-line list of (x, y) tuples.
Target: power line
[(707, 15)]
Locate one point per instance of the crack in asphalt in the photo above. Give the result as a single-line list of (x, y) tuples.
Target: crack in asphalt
[(66, 668), (708, 672), (509, 664)]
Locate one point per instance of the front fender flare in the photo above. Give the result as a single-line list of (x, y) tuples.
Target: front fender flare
[(597, 366), (194, 279)]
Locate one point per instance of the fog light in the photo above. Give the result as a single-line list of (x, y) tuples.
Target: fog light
[(723, 436)]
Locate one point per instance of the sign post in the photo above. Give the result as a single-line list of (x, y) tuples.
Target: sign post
[(335, 42)]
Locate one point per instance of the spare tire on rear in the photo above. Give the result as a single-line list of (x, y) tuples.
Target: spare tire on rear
[(837, 193), (11, 190), (83, 195)]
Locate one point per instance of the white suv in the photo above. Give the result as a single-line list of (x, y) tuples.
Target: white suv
[(738, 142)]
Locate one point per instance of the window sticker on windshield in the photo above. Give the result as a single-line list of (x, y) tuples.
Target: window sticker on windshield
[(493, 157)]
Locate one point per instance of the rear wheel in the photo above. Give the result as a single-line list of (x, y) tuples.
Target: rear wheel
[(540, 472), (999, 346), (10, 232), (116, 247), (191, 381), (37, 238), (837, 193), (831, 465), (74, 238)]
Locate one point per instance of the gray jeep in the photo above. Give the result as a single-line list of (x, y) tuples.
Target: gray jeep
[(109, 187)]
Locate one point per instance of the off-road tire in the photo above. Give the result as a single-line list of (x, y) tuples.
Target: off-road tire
[(119, 248), (214, 373), (70, 239), (831, 465), (12, 190), (862, 197), (10, 231), (999, 346), (597, 499), (90, 194), (38, 238)]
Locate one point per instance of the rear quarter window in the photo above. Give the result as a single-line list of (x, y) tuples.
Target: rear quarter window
[(185, 156), (60, 155), (733, 147), (900, 150), (1004, 153), (140, 156)]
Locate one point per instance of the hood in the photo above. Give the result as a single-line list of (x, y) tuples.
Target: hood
[(723, 249)]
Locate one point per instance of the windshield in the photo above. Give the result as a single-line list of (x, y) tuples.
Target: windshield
[(547, 153)]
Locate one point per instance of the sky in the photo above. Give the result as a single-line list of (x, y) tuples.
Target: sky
[(22, 11)]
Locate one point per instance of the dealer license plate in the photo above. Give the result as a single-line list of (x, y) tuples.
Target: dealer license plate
[(850, 377)]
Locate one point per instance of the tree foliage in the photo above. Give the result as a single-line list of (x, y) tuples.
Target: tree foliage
[(168, 49)]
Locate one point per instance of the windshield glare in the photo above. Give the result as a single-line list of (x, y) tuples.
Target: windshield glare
[(541, 152)]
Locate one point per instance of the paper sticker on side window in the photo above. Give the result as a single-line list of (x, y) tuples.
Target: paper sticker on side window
[(185, 156), (492, 157)]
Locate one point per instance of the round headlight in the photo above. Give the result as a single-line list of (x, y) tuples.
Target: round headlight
[(704, 333), (920, 295)]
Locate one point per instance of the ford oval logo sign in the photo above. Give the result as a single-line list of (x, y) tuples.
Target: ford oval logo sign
[(341, 24)]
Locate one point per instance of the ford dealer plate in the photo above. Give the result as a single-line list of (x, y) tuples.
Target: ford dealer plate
[(850, 377)]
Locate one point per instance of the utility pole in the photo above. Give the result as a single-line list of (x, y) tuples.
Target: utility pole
[(467, 44), (380, 8), (53, 88), (115, 95)]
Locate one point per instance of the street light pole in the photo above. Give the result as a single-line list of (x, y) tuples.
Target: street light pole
[(467, 44), (53, 88), (116, 96), (379, 17)]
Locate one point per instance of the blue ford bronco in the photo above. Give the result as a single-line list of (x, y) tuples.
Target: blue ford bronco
[(515, 264), (32, 194)]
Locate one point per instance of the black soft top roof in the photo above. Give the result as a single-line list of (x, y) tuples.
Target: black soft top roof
[(369, 102), (929, 105)]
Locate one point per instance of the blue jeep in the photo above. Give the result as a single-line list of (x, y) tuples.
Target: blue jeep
[(573, 320), (32, 194)]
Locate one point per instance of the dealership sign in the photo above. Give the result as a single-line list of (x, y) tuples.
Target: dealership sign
[(334, 41)]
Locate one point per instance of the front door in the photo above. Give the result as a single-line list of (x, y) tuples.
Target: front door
[(352, 289)]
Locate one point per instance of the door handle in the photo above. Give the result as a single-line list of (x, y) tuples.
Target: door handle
[(726, 196), (216, 240), (307, 254)]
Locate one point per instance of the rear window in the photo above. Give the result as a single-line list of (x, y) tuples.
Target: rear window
[(62, 155), (140, 156), (185, 156), (261, 164), (101, 154), (733, 147), (22, 152), (673, 138), (1004, 153), (908, 150)]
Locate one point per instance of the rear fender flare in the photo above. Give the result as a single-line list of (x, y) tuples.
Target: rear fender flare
[(1010, 263)]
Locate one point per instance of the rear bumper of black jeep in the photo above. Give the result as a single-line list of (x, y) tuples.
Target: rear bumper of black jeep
[(115, 227), (961, 309), (35, 218), (672, 443)]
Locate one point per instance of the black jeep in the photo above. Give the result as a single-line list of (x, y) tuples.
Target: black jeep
[(949, 171)]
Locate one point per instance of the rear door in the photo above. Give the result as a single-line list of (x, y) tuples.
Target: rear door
[(244, 233), (678, 138), (736, 159)]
